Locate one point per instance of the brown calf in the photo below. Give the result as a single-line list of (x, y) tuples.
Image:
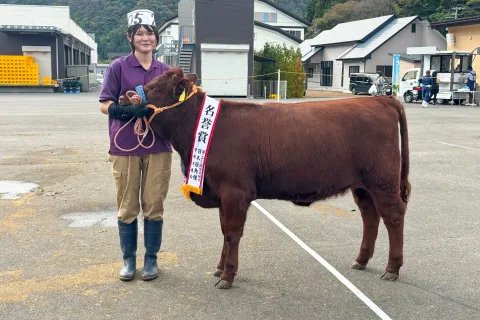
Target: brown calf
[(302, 152)]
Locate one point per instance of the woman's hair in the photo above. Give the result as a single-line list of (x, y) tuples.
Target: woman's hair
[(132, 30), (434, 74)]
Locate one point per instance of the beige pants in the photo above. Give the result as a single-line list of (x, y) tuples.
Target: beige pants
[(141, 178)]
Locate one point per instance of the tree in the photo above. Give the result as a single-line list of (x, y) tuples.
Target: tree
[(310, 11), (373, 8), (339, 13), (289, 61)]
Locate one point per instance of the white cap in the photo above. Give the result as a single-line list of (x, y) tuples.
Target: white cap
[(141, 16)]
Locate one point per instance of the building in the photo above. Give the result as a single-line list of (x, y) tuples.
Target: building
[(220, 50), (49, 35), (462, 35), (270, 19), (181, 45), (364, 46), (272, 24)]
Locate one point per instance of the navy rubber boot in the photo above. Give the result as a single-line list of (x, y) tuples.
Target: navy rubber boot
[(153, 241), (128, 244)]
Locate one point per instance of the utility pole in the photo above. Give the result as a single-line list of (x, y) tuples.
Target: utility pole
[(456, 14)]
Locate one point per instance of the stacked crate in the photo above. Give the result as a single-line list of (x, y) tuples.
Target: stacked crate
[(18, 70)]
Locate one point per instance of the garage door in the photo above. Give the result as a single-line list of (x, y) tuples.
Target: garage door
[(225, 69), (43, 57)]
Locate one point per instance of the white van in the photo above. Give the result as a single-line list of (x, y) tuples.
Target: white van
[(409, 87)]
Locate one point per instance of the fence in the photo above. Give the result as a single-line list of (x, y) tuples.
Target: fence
[(171, 60), (265, 88)]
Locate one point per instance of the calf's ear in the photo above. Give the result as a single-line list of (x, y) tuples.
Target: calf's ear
[(181, 87), (192, 77)]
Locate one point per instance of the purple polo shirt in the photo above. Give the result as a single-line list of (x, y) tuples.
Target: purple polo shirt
[(122, 75)]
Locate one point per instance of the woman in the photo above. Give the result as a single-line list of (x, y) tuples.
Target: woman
[(140, 173), (434, 88)]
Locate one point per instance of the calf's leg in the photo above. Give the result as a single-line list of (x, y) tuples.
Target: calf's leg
[(392, 211), (221, 264), (371, 220), (234, 209)]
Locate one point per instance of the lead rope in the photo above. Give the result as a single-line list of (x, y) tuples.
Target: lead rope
[(138, 127)]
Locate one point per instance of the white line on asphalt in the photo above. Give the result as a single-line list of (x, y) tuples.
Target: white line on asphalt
[(327, 265), (454, 145)]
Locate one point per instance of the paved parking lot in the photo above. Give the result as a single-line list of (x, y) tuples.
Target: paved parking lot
[(59, 252)]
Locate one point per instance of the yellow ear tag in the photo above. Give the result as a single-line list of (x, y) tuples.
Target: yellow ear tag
[(182, 96)]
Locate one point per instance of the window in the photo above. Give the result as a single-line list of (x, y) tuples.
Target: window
[(443, 64), (266, 16), (353, 69), (67, 55), (386, 70), (76, 57), (414, 27), (294, 33), (310, 72), (327, 73), (410, 75), (466, 61), (435, 63)]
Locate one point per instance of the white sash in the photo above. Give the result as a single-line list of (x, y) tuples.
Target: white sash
[(203, 135)]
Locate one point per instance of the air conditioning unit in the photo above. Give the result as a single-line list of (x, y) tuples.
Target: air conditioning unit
[(450, 39)]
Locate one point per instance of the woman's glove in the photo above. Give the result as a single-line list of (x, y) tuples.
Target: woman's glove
[(126, 112)]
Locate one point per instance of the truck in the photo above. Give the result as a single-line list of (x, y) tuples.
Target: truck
[(451, 67)]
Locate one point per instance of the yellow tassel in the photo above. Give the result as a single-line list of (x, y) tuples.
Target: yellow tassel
[(186, 189), (182, 96), (186, 193)]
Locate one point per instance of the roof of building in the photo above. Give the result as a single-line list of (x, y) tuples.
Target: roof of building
[(276, 6), (456, 22), (311, 53), (353, 31), (305, 46), (286, 34), (409, 57), (166, 23), (38, 18), (363, 49)]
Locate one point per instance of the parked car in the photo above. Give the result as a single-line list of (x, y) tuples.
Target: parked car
[(362, 82)]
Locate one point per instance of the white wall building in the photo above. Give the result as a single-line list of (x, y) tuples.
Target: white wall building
[(49, 35), (271, 24), (363, 46)]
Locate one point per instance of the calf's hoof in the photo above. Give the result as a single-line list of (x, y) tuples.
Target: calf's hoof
[(222, 284), (358, 266), (389, 276), (218, 273)]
